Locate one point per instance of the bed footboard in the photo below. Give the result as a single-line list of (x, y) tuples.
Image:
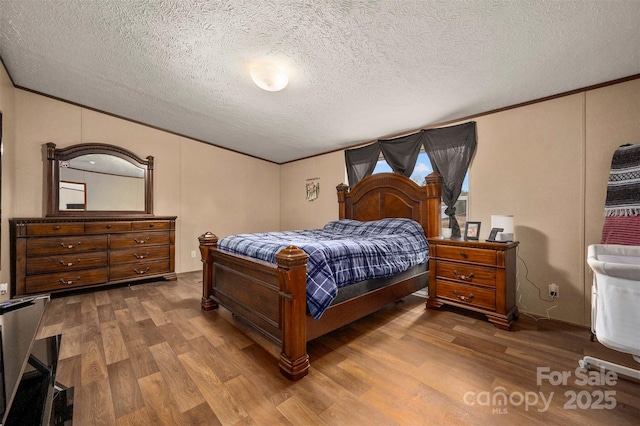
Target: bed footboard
[(272, 298)]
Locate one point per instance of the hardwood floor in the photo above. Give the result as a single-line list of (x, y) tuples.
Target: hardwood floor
[(147, 355)]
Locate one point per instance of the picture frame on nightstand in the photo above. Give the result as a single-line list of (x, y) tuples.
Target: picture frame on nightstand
[(472, 231)]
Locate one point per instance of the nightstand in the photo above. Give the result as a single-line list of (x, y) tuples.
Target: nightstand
[(475, 275)]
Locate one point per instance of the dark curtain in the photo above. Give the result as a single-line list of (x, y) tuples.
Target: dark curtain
[(450, 150), (361, 162), (402, 153)]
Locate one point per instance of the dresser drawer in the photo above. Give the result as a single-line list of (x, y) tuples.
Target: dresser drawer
[(150, 224), (138, 239), (56, 228), (65, 280), (138, 270), (80, 251), (468, 273), (469, 295), (65, 245), (137, 254), (102, 227), (66, 262), (466, 254)]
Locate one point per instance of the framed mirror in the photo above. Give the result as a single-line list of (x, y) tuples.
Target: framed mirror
[(97, 179)]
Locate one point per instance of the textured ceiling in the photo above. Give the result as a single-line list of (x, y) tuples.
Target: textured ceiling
[(358, 70)]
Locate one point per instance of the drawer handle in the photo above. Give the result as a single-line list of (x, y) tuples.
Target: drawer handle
[(151, 225), (141, 272), (108, 226), (463, 277), (463, 298), (63, 263), (141, 256), (463, 254), (56, 228), (69, 282), (70, 246), (141, 241)]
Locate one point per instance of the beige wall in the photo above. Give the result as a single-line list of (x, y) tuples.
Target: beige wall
[(7, 159), (208, 188), (530, 163), (296, 211), (545, 163)]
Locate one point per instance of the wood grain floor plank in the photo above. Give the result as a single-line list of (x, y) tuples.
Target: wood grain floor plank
[(71, 344), (97, 404), (128, 327), (142, 360), (298, 412), (227, 410), (123, 383), (348, 409), (161, 406), (138, 312), (117, 297), (182, 323), (50, 330), (185, 392), (156, 314), (55, 313), (102, 298), (329, 362), (88, 303), (149, 332), (69, 372), (174, 338), (94, 367), (106, 313), (224, 368), (261, 411), (137, 418), (402, 365), (201, 415), (72, 315), (158, 298), (212, 333), (114, 347)]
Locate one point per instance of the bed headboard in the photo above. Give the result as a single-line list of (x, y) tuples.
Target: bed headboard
[(386, 195)]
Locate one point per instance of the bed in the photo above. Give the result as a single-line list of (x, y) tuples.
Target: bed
[(272, 297)]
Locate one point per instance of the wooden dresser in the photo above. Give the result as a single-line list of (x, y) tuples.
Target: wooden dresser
[(63, 253), (480, 276)]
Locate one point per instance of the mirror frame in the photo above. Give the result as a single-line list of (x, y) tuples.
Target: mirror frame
[(52, 177)]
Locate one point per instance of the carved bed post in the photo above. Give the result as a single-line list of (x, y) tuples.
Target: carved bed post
[(292, 276), (342, 190), (433, 184), (207, 240)]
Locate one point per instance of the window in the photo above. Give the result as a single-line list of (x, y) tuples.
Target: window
[(422, 169)]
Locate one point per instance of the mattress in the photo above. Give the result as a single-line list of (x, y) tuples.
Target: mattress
[(341, 253)]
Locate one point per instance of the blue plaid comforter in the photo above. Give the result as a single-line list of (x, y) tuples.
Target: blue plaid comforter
[(342, 253)]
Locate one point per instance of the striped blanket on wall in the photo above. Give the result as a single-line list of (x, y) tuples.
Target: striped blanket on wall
[(622, 206)]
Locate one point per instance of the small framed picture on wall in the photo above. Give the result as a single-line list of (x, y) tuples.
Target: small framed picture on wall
[(472, 231)]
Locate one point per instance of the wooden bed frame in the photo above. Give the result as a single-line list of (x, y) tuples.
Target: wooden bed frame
[(272, 297)]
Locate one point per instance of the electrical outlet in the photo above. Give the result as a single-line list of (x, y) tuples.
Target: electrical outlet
[(554, 290), (193, 253), (4, 287)]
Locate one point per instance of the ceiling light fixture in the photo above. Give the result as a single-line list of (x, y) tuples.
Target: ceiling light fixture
[(270, 77)]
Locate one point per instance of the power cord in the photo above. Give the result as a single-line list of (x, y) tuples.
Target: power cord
[(526, 277)]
